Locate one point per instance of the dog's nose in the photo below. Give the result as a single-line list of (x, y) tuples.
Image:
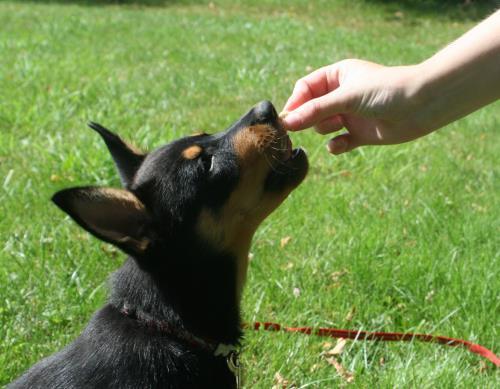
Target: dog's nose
[(264, 112)]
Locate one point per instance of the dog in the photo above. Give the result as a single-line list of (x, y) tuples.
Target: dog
[(185, 217)]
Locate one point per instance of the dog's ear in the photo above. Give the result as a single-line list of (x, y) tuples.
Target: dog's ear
[(116, 216), (126, 157)]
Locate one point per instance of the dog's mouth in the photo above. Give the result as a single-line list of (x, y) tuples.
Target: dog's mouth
[(281, 147), (263, 128), (289, 165)]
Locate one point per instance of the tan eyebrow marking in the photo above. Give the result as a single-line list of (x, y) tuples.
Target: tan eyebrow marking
[(192, 152)]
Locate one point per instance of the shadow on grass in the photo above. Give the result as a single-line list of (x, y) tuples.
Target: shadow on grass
[(451, 9), (455, 9), (147, 3)]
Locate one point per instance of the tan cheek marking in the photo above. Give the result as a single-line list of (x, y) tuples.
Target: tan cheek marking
[(244, 142), (234, 225), (231, 234), (191, 152), (252, 140)]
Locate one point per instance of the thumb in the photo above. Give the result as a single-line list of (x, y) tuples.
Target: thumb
[(314, 111), (342, 144)]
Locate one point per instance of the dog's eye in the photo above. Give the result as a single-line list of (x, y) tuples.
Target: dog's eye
[(208, 162)]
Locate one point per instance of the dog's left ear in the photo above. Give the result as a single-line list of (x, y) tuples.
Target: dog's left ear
[(116, 216)]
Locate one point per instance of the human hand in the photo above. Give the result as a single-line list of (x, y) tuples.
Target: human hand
[(376, 104)]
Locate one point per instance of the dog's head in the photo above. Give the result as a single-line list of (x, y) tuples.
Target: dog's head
[(202, 192)]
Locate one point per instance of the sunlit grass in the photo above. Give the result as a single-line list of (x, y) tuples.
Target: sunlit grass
[(403, 238)]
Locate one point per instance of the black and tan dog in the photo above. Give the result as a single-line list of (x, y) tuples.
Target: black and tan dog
[(186, 219)]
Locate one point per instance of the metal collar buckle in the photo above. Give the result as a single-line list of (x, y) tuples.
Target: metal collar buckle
[(233, 363)]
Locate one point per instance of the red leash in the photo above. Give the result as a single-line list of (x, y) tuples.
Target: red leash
[(383, 336)]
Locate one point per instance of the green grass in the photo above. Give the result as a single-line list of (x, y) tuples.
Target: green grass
[(415, 226)]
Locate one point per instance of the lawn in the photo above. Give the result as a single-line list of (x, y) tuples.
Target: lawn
[(403, 238)]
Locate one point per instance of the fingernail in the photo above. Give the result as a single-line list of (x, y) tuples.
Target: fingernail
[(337, 146), (291, 120)]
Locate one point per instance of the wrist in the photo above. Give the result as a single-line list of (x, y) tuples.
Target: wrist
[(423, 91)]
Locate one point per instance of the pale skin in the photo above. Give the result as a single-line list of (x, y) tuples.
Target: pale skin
[(380, 105)]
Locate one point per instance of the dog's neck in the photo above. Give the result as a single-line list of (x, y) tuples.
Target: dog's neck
[(194, 294)]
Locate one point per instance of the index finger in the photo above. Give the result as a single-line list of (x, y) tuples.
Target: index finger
[(316, 84)]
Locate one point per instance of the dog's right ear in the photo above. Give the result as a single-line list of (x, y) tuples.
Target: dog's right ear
[(116, 216), (126, 157)]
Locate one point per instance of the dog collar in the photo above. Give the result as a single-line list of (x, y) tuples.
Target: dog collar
[(218, 349), (228, 351)]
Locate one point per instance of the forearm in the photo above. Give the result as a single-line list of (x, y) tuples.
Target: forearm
[(462, 77)]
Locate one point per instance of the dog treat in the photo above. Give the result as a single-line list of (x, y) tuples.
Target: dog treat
[(283, 114)]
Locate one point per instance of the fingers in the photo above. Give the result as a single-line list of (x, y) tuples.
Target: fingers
[(342, 144), (315, 84), (314, 111), (329, 125)]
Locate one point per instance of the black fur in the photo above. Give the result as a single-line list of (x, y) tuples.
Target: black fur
[(172, 276), (126, 159)]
